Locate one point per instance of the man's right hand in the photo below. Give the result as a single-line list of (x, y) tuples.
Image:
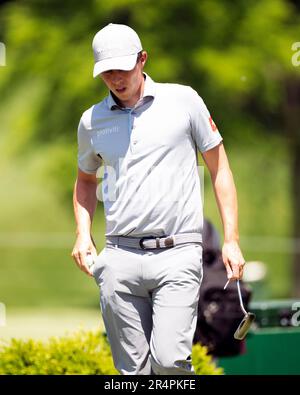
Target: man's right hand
[(83, 246)]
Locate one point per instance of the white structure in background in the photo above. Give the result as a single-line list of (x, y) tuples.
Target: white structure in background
[(254, 271)]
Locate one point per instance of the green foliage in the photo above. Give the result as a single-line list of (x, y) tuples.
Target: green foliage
[(203, 363), (84, 352)]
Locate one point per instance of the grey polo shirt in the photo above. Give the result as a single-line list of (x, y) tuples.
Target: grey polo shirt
[(150, 184)]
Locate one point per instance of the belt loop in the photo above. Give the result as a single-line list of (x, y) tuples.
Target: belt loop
[(157, 242), (170, 241)]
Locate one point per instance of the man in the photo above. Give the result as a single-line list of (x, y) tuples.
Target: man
[(150, 270)]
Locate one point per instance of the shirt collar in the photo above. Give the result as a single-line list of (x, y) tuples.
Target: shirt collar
[(149, 93)]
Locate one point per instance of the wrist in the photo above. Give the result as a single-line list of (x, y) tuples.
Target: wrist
[(83, 233), (232, 239)]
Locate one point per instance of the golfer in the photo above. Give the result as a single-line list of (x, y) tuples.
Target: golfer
[(146, 135)]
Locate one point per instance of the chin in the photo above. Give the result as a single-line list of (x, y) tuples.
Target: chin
[(123, 97)]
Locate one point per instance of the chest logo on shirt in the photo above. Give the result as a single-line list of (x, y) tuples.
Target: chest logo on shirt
[(212, 124), (103, 132)]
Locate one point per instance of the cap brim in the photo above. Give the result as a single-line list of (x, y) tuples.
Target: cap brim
[(118, 63)]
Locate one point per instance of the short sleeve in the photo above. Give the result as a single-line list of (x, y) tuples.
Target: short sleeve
[(204, 131), (88, 161)]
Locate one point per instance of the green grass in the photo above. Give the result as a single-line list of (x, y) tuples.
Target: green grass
[(44, 277), (260, 167), (37, 234), (42, 323)]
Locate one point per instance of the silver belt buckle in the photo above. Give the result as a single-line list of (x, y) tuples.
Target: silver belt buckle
[(141, 242), (169, 242)]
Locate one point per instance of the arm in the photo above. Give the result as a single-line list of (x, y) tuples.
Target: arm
[(85, 203), (226, 197)]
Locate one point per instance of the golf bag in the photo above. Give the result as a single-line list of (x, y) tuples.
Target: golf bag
[(219, 312)]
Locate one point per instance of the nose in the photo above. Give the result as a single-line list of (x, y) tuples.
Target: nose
[(116, 77)]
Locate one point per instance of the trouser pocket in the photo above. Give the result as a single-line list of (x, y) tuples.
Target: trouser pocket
[(99, 266)]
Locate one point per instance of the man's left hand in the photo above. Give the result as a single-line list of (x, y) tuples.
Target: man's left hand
[(233, 260)]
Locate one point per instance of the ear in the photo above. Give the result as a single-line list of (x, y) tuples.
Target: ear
[(144, 57)]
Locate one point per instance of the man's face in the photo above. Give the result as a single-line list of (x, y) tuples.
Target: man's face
[(125, 85)]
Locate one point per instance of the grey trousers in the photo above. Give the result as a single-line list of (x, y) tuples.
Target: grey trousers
[(149, 300)]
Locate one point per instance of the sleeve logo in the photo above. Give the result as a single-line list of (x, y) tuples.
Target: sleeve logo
[(212, 124)]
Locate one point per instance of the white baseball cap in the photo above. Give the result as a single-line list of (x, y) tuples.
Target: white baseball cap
[(115, 48)]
